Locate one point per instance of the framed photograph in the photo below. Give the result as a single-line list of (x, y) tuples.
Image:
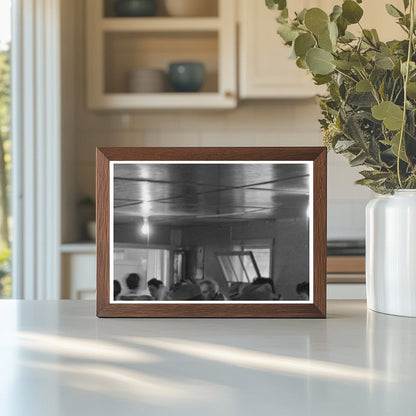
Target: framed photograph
[(211, 232)]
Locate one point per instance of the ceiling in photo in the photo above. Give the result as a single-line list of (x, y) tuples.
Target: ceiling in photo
[(183, 194)]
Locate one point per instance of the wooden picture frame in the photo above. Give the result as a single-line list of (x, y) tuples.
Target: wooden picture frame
[(288, 184)]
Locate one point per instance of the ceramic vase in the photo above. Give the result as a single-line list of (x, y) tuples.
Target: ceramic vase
[(391, 253)]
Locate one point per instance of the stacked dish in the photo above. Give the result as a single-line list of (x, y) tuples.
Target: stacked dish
[(147, 80)]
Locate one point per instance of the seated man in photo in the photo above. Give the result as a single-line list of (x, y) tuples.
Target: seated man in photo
[(302, 289), (185, 290), (210, 290), (132, 283), (261, 288), (157, 289)]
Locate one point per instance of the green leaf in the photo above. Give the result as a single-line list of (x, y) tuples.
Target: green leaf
[(388, 112), (393, 11), (351, 11), (320, 61), (336, 12), (394, 145), (374, 174), (333, 32), (412, 67), (384, 62), (301, 15), (301, 63), (321, 79), (363, 86), (344, 65), (276, 4), (374, 150), (406, 4), (358, 160), (354, 132), (303, 43), (358, 61), (325, 42), (342, 25), (347, 37), (368, 36), (411, 90), (316, 20), (375, 35), (287, 33), (343, 145)]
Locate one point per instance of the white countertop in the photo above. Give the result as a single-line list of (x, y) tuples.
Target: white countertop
[(57, 358)]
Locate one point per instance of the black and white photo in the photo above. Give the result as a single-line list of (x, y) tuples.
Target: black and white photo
[(216, 231)]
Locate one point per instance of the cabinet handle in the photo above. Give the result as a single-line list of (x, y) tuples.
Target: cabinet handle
[(229, 94)]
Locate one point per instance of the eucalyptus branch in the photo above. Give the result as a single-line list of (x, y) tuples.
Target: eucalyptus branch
[(346, 75), (406, 80), (373, 88), (392, 91)]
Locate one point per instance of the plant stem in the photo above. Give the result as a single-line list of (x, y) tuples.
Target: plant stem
[(406, 80), (346, 75)]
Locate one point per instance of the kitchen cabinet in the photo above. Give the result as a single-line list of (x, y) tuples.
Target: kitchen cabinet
[(118, 45), (342, 269), (78, 263), (265, 69)]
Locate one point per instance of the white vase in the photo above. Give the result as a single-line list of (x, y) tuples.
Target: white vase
[(391, 253)]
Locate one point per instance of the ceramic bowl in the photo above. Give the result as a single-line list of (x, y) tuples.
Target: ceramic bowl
[(135, 8), (186, 76)]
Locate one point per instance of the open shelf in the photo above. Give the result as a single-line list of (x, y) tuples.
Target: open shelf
[(119, 45), (127, 51)]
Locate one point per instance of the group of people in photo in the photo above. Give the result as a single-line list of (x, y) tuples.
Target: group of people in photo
[(260, 289)]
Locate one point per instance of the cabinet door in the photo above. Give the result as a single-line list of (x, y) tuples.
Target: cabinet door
[(78, 276), (265, 68), (376, 17)]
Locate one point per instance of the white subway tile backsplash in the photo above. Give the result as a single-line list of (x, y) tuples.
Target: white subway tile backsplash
[(230, 138), (170, 138), (146, 120), (96, 120), (202, 120)]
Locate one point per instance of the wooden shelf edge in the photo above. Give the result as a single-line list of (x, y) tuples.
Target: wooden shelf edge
[(160, 24), (126, 101), (346, 264)]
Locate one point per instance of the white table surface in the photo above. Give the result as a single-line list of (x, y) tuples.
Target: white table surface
[(57, 358)]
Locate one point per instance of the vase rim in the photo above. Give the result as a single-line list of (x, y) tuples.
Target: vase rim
[(405, 191)]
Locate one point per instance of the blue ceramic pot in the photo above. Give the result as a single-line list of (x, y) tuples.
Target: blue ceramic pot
[(135, 8), (186, 76)]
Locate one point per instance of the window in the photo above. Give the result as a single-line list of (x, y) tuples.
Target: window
[(149, 263), (238, 266), (5, 147), (262, 250)]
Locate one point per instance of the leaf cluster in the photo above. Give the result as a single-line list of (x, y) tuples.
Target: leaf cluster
[(369, 112)]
